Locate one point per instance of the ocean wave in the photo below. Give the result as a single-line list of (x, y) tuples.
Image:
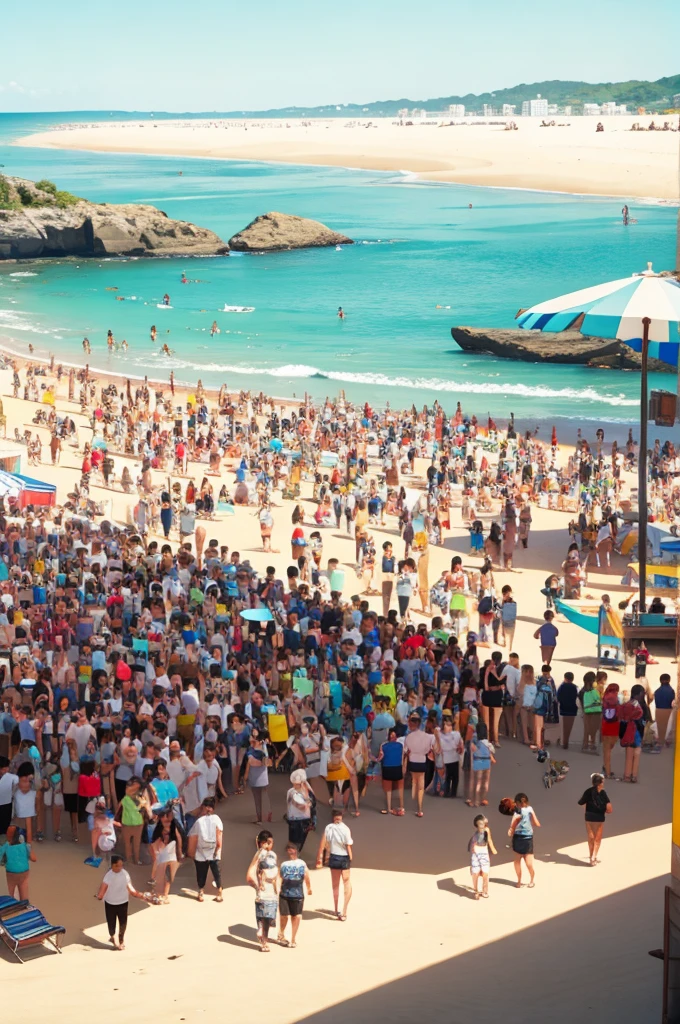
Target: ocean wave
[(301, 371), (23, 273), (14, 320)]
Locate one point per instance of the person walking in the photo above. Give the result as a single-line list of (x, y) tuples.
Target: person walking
[(293, 875), (547, 636), (634, 715), (417, 745), (205, 847), (16, 856), (482, 751), (299, 801), (597, 806), (338, 843), (664, 699), (521, 832), (392, 772), (115, 890), (479, 848), (610, 727)]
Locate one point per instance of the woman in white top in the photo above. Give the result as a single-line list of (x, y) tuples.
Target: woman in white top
[(337, 840), (526, 693), (166, 844)]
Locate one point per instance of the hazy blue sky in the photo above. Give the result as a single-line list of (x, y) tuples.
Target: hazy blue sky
[(220, 55)]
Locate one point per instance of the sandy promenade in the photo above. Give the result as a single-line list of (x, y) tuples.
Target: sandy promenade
[(414, 939), (568, 158)]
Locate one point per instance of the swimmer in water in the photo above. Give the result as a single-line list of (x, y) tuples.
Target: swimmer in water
[(341, 313), (166, 351), (124, 345), (30, 349), (153, 332), (110, 340), (184, 279), (625, 213), (214, 329), (86, 346), (166, 299)]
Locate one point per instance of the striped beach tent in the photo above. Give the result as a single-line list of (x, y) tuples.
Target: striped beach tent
[(27, 490)]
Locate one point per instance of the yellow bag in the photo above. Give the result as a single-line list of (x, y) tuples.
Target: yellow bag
[(220, 609), (278, 728)]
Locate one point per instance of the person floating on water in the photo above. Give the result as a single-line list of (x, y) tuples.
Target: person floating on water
[(341, 313), (166, 299), (184, 279), (214, 329), (625, 213), (153, 332)]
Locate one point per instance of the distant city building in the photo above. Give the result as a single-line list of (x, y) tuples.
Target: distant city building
[(591, 109), (419, 112), (535, 108), (457, 110), (487, 110), (403, 112), (567, 111), (676, 99), (552, 109), (509, 109)]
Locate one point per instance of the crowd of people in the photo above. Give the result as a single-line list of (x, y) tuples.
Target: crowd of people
[(152, 673)]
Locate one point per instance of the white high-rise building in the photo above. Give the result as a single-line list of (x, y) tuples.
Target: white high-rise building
[(591, 109), (457, 110), (509, 109), (487, 110), (567, 111), (535, 108)]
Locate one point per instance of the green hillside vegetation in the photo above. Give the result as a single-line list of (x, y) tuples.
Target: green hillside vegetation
[(15, 194), (651, 95)]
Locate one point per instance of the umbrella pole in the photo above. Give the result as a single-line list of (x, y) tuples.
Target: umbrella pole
[(642, 469)]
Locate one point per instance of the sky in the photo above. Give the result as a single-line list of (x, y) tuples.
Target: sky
[(219, 55)]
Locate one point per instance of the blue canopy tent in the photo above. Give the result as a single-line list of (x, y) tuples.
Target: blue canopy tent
[(27, 490)]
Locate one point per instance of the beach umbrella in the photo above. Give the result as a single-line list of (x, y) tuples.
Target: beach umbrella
[(643, 311), (257, 615)]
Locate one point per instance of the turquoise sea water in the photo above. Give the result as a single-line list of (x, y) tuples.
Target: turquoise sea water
[(420, 246)]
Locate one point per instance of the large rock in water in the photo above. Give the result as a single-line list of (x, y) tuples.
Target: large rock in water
[(557, 347), (97, 229), (274, 231)]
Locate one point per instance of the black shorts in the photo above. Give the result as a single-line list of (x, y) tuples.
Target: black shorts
[(338, 862), (392, 773), (523, 845), (291, 906), (417, 767), (71, 803)]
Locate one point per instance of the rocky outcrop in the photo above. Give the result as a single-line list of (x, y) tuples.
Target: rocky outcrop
[(558, 347), (276, 231), (79, 228)]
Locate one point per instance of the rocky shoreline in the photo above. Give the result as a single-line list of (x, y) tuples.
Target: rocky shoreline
[(565, 347)]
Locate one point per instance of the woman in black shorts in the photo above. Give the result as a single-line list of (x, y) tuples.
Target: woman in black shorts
[(337, 842), (391, 757), (293, 876)]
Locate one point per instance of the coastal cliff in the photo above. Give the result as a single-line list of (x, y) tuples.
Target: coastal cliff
[(38, 220), (544, 347), (279, 231)]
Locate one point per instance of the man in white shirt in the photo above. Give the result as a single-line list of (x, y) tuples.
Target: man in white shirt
[(511, 676), (8, 783), (205, 846), (81, 731)]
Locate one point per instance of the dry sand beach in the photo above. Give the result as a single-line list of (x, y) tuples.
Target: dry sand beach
[(569, 157), (414, 937)]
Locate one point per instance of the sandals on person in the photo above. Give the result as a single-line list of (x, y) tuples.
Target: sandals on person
[(341, 917), (387, 812), (401, 812), (282, 940), (419, 814)]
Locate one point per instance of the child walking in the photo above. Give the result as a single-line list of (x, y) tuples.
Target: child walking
[(479, 848)]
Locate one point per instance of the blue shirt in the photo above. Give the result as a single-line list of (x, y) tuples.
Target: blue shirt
[(393, 754), (166, 790), (292, 878), (664, 697)]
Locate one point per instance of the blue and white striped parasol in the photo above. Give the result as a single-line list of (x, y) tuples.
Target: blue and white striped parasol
[(617, 309), (643, 311)]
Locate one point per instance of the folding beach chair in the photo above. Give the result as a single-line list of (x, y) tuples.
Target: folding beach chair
[(8, 905), (29, 928)]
